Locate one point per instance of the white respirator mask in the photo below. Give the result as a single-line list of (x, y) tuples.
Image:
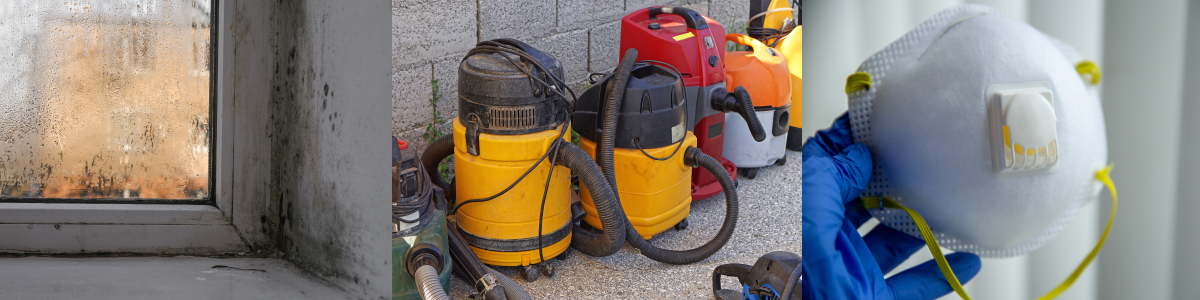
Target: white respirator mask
[(984, 127)]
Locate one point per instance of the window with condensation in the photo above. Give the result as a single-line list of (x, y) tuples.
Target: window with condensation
[(106, 101)]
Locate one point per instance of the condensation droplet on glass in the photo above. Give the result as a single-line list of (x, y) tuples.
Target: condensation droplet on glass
[(108, 101)]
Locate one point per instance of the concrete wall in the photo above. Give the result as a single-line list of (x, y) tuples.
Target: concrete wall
[(429, 38), (304, 106)]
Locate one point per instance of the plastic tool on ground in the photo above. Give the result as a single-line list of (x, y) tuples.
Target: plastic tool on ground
[(772, 277)]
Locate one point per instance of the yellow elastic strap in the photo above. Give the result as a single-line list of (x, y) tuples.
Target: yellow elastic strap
[(857, 82), (1089, 68), (1102, 176), (931, 242)]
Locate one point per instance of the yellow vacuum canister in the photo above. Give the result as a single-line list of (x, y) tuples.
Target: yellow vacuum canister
[(503, 231), (654, 193), (634, 123), (653, 183), (513, 162)]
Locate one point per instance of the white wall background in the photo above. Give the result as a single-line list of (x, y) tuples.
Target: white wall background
[(1142, 48)]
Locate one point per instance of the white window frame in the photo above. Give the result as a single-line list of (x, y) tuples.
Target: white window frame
[(197, 229)]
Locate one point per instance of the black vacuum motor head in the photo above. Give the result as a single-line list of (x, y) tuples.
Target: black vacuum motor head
[(652, 112), (503, 99)]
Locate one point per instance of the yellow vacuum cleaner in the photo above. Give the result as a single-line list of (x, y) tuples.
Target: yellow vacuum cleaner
[(634, 121), (512, 164)]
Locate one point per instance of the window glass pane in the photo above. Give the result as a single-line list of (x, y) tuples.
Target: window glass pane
[(104, 99)]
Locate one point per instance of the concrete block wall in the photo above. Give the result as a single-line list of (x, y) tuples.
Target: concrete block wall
[(430, 37)]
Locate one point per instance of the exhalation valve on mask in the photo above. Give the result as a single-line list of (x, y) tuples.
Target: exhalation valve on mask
[(1024, 138)]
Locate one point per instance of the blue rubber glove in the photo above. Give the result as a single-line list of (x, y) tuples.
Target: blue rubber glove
[(840, 264)]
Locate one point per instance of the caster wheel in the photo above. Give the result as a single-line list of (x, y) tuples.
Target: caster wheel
[(781, 161), (683, 224), (749, 173), (547, 269), (530, 273), (565, 255)]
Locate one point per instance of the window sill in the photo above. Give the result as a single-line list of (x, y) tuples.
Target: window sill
[(160, 278), (116, 228)]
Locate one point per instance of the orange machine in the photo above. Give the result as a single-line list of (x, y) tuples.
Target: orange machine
[(764, 74)]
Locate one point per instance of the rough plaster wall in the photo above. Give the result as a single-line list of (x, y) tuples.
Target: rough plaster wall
[(429, 38), (328, 129)]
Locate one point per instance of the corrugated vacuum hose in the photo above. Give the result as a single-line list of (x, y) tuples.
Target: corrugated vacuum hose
[(612, 216), (428, 284)]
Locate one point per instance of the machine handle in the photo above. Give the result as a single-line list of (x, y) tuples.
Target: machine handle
[(739, 271), (693, 19), (541, 57), (746, 108), (762, 51)]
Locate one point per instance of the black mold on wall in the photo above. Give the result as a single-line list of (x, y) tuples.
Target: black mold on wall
[(313, 217)]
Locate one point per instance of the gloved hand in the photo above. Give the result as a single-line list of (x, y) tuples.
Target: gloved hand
[(840, 264)]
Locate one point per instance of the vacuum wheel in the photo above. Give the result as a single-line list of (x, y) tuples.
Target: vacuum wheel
[(781, 161), (683, 224), (530, 273), (547, 269), (565, 255), (749, 173)]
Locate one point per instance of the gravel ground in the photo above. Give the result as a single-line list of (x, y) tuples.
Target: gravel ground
[(769, 221)]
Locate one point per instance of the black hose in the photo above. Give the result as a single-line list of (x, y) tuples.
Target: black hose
[(434, 154), (693, 156), (512, 290), (611, 110), (469, 268), (746, 108), (612, 216)]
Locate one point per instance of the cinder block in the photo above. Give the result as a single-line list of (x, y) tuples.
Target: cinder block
[(604, 42), (524, 20), (576, 14), (700, 6), (732, 14), (445, 70), (571, 50), (425, 29), (414, 137), (633, 5), (410, 98)]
